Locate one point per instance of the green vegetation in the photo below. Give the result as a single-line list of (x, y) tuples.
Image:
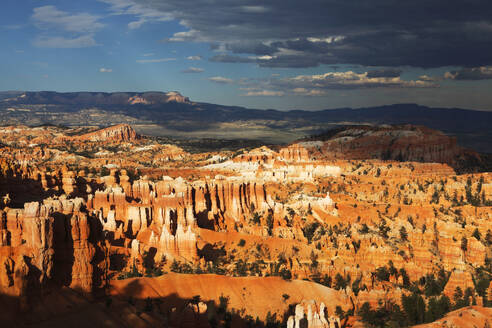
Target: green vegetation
[(403, 234), (415, 311), (131, 274), (309, 230)]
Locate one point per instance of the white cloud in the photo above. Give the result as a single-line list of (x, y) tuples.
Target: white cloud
[(428, 78), (265, 57), (349, 79), (143, 13), (318, 85), (254, 9), (136, 24), (329, 39), (194, 57), (193, 70), (61, 42), (267, 93), (105, 70), (50, 17), (308, 92), (191, 35), (149, 54), (72, 30), (221, 80), (160, 60)]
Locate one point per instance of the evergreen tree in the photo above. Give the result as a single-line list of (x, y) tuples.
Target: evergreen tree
[(414, 306), (340, 282), (403, 234), (476, 234), (464, 244)]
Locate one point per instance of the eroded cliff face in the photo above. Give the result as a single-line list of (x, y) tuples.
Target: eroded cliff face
[(121, 132), (401, 143), (170, 210), (51, 243)]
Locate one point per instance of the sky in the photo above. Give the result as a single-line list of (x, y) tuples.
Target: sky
[(281, 54)]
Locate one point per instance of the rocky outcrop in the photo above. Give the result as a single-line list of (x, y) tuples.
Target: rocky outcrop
[(295, 153), (207, 200), (311, 315), (472, 316), (176, 97), (119, 133), (54, 241), (401, 143), (458, 278), (258, 155), (489, 292), (170, 210)]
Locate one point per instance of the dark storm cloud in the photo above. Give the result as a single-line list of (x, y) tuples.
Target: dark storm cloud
[(420, 33), (390, 72), (475, 73), (257, 48)]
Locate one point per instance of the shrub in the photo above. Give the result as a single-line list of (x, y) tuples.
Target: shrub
[(382, 274), (256, 219), (383, 229), (271, 321), (309, 231), (326, 281), (340, 282), (223, 303), (314, 260), (364, 229), (285, 274), (148, 305), (131, 274)]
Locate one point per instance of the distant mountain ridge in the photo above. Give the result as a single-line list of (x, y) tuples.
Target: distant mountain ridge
[(95, 98), (172, 114)]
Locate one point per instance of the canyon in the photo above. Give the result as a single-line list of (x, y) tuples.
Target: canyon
[(175, 116), (107, 225)]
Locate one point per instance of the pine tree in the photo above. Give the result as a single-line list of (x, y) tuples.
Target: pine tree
[(476, 234), (403, 234), (464, 244)]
